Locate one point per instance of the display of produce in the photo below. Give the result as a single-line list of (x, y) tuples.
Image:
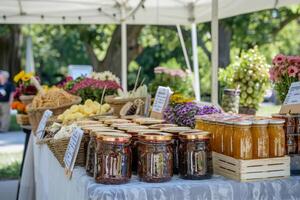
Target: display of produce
[(194, 155), (113, 158), (155, 157), (88, 109), (65, 131)]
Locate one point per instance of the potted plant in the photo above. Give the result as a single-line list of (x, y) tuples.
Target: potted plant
[(284, 71), (250, 74), (25, 89)]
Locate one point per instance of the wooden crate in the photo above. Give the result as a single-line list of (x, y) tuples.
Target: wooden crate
[(251, 170)]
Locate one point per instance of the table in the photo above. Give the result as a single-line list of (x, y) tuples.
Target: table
[(44, 179)]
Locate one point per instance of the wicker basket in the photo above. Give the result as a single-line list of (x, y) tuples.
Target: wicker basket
[(26, 99), (35, 115), (22, 119), (117, 104), (59, 146)]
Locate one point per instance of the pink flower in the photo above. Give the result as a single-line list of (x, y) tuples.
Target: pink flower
[(159, 70), (294, 60), (279, 59), (292, 71)]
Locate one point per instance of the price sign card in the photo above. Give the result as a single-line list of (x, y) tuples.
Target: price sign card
[(40, 131), (161, 101), (292, 101), (72, 151)]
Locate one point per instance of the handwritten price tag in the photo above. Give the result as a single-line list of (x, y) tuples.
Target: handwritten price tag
[(292, 101), (72, 151), (40, 132), (161, 101)]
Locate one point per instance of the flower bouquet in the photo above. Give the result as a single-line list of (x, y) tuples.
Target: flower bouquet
[(182, 111), (25, 89), (284, 71), (178, 80), (92, 87)]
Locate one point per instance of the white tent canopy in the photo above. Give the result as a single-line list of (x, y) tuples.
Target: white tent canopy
[(158, 12), (168, 12)]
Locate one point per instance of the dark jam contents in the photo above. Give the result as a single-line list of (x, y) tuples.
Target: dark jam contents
[(90, 156), (194, 155), (113, 158), (155, 157)]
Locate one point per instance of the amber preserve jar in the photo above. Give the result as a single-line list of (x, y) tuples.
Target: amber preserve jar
[(242, 140), (260, 139), (276, 138), (194, 154), (113, 158), (155, 157)]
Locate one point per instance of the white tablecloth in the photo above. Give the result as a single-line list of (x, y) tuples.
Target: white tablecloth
[(44, 179)]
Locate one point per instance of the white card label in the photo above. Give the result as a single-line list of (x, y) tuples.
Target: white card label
[(161, 100), (293, 96), (72, 149), (40, 131)]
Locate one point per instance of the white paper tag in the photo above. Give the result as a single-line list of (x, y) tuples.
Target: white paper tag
[(72, 150), (40, 131), (161, 100), (293, 96)]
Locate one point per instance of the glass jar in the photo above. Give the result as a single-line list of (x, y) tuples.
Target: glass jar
[(276, 138), (219, 137), (113, 158), (199, 123), (297, 124), (210, 126), (194, 155), (290, 122), (291, 144), (260, 139), (90, 156), (242, 140), (228, 138), (155, 157), (231, 100)]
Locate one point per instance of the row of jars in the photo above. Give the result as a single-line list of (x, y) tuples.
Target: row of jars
[(243, 138), (112, 155)]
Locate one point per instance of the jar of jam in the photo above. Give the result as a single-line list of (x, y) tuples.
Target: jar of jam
[(242, 140), (113, 158), (260, 139), (199, 123), (194, 155), (276, 138), (290, 122), (228, 138), (90, 156), (155, 157), (297, 125), (210, 126)]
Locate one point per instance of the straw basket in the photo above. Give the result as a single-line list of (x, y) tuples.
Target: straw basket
[(22, 119), (117, 104), (26, 99), (35, 115), (59, 146)]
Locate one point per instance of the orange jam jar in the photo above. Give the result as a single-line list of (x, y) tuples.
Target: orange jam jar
[(276, 138), (260, 138), (219, 136), (242, 140), (199, 123), (228, 138)]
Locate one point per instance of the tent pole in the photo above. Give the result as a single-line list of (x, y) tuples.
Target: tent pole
[(29, 56), (195, 62), (124, 54), (215, 51), (187, 61)]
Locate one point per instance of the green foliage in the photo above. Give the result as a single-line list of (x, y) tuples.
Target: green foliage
[(250, 73), (10, 171)]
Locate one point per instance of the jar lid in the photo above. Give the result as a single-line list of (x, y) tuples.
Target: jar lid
[(195, 135), (87, 122), (260, 122), (89, 126), (159, 126), (175, 129), (131, 128), (105, 117), (276, 121), (243, 123), (130, 117), (156, 136), (116, 125), (148, 121), (112, 121), (113, 136), (96, 128)]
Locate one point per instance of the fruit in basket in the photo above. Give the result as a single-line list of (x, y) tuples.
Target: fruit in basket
[(88, 109)]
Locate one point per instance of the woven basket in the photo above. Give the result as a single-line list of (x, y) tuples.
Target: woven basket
[(35, 115), (59, 146), (26, 99), (22, 119), (117, 104)]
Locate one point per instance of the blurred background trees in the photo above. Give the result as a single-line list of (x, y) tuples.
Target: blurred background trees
[(57, 46)]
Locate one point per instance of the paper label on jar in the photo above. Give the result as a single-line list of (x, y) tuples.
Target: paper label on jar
[(293, 96), (40, 131), (72, 150)]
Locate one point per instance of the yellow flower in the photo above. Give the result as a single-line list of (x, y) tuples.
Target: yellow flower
[(26, 78), (19, 76)]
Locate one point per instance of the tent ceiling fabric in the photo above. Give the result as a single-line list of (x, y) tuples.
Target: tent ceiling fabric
[(165, 12)]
